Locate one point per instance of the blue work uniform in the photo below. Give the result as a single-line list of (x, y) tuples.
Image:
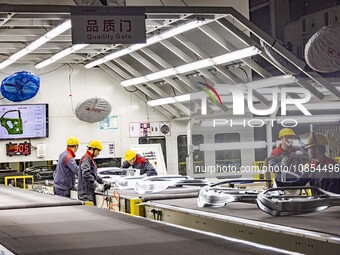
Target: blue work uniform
[(87, 177), (65, 174)]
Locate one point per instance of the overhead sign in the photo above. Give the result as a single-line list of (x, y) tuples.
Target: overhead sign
[(107, 25)]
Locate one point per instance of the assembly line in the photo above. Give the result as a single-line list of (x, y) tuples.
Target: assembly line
[(169, 127)]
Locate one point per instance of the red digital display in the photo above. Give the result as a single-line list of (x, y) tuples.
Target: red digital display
[(18, 149)]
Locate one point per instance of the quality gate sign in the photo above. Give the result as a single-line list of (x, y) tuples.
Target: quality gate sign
[(108, 25)]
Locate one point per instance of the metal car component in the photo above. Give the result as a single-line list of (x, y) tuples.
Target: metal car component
[(127, 182), (41, 172), (154, 184), (12, 125), (276, 202), (216, 195)]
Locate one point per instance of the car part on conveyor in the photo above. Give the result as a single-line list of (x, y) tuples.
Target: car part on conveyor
[(276, 202), (216, 195), (111, 174), (127, 182), (154, 184)]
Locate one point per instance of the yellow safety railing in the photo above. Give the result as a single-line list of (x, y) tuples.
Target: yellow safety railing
[(21, 177)]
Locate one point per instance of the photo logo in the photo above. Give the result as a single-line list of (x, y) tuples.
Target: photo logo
[(239, 99), (206, 90), (279, 99)]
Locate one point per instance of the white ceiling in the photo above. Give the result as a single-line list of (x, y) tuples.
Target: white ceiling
[(228, 31)]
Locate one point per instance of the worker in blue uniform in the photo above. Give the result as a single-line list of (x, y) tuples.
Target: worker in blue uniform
[(67, 169)]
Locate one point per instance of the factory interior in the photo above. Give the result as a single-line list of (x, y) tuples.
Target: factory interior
[(169, 127)]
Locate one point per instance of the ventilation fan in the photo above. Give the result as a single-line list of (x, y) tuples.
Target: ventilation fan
[(93, 109), (20, 86), (101, 2), (164, 127), (322, 51)]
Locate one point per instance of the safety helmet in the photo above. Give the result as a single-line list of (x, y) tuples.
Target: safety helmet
[(286, 132), (95, 144), (71, 141), (316, 139), (129, 154)]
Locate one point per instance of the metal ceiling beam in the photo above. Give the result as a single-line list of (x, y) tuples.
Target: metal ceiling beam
[(181, 54), (194, 48), (151, 85), (166, 65), (230, 47), (137, 93), (284, 52), (248, 41), (147, 92), (190, 85)]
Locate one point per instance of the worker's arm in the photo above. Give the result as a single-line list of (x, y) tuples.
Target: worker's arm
[(301, 181), (72, 165), (125, 164), (149, 169), (86, 170)]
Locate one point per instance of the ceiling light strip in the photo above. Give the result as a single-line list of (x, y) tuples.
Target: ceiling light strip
[(157, 38), (228, 57), (37, 43), (272, 81), (60, 55)]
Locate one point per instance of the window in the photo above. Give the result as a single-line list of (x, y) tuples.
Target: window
[(228, 157), (155, 139), (182, 148)]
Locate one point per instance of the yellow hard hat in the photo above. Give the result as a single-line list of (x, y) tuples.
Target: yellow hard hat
[(95, 144), (129, 154), (71, 141), (286, 132), (316, 139)]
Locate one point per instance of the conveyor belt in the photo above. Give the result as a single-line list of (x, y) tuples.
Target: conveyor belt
[(50, 229), (15, 198), (326, 221), (88, 230)]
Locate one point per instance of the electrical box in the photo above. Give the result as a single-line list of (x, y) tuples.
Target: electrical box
[(41, 150)]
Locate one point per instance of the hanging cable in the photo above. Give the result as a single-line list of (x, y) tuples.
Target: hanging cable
[(173, 90), (70, 86), (245, 73)]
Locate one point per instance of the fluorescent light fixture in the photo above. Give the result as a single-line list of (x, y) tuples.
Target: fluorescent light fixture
[(161, 74), (272, 81), (37, 43), (137, 80), (195, 65), (235, 55), (170, 100), (60, 55), (154, 39), (247, 52), (161, 101)]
